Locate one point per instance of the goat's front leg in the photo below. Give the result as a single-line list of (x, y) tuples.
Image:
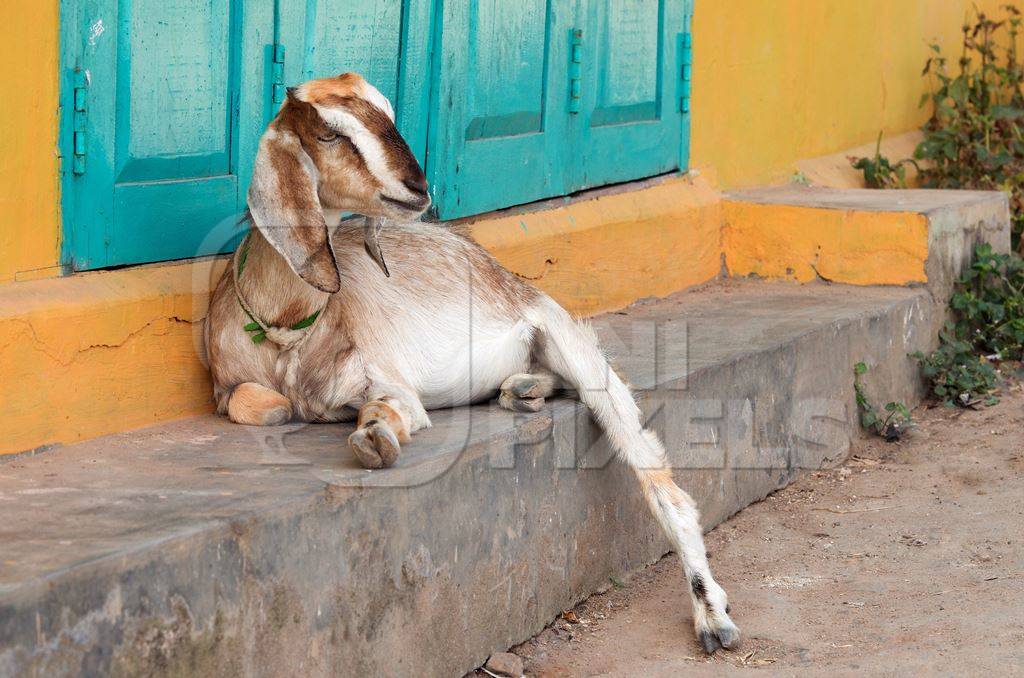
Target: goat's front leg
[(256, 405), (385, 422)]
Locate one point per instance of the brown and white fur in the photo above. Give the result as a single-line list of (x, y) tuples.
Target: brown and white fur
[(450, 327)]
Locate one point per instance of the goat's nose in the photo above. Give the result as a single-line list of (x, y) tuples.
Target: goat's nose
[(417, 185)]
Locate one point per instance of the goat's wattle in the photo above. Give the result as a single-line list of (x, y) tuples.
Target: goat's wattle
[(371, 241)]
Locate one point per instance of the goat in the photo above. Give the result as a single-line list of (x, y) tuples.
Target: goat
[(304, 325)]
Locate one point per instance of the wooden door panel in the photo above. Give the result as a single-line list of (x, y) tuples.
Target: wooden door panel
[(363, 36), (504, 48), (539, 98), (172, 219), (164, 83), (502, 130), (174, 90), (632, 123), (629, 53), (178, 94)]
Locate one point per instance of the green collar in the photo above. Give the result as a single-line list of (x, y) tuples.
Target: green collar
[(259, 329)]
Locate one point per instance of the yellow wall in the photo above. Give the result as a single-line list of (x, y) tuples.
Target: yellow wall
[(102, 352), (29, 203), (776, 81)]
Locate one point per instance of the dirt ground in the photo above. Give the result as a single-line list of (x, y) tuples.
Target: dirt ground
[(906, 561)]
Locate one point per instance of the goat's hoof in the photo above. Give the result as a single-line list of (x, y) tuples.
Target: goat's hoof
[(526, 392), (526, 386), (716, 634), (514, 404), (375, 445)]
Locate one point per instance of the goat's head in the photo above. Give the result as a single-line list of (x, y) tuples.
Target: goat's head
[(333, 146)]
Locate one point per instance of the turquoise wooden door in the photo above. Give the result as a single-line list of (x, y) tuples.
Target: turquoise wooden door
[(631, 121), (500, 131), (155, 95), (540, 98), (504, 102)]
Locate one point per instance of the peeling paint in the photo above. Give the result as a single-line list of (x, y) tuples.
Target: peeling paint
[(66, 360), (96, 29), (548, 265)]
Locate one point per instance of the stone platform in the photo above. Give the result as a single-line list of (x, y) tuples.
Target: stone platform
[(205, 548)]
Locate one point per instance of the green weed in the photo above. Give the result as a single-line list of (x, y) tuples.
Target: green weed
[(987, 329), (880, 172), (893, 424)]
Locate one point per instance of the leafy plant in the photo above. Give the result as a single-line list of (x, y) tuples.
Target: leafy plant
[(880, 172), (958, 375), (975, 136), (893, 425), (989, 304), (987, 328)]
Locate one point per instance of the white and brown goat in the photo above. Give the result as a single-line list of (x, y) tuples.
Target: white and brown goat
[(337, 340)]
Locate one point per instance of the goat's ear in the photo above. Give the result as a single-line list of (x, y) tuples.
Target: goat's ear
[(286, 208)]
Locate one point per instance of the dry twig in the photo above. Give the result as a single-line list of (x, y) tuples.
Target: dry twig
[(866, 510)]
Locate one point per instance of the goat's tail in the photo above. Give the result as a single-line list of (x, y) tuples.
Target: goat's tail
[(570, 349)]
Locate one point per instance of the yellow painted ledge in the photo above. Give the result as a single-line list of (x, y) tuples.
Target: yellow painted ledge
[(103, 352), (806, 243), (603, 254), (97, 353)]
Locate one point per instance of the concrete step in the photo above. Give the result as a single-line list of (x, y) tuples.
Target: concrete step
[(205, 548), (861, 237)]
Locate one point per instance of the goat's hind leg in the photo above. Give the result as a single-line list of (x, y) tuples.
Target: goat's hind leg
[(525, 392), (679, 517), (572, 350)]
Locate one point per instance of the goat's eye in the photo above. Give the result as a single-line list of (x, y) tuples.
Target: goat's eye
[(330, 139)]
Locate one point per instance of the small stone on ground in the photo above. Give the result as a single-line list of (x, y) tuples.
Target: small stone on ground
[(505, 664)]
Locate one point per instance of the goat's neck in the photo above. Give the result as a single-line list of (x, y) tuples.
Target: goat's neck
[(272, 289)]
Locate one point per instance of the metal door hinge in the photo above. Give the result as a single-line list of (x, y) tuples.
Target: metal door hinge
[(576, 71), (279, 89), (79, 148), (686, 70)]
